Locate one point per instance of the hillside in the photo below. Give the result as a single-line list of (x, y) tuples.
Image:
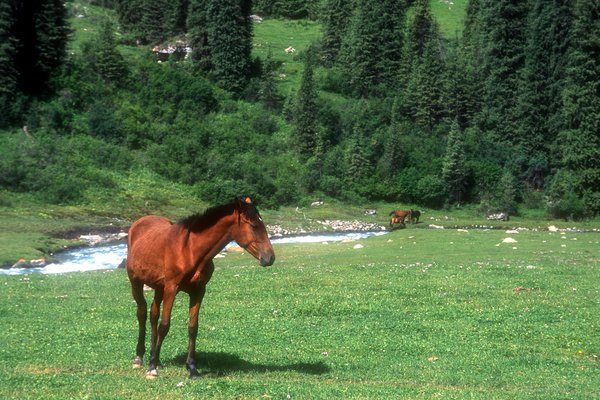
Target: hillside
[(437, 122)]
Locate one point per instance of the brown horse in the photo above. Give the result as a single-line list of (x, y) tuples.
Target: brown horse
[(173, 257), (398, 217), (414, 216)]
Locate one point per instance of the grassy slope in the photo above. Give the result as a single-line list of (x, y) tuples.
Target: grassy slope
[(413, 314), (449, 16)]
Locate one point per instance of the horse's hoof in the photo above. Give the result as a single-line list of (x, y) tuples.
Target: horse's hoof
[(194, 374), (152, 374), (137, 362)]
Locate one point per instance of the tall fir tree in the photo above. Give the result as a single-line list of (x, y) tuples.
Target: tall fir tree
[(539, 100), (423, 68), (470, 63), (372, 49), (421, 30), (41, 32), (8, 73), (178, 17), (268, 93), (129, 13), (505, 23), (393, 156), (579, 143), (230, 42), (336, 18), (198, 24), (454, 168), (358, 166), (104, 57), (293, 8), (306, 112), (155, 23)]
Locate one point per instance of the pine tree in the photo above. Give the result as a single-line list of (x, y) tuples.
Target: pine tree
[(336, 17), (393, 154), (104, 57), (579, 143), (8, 73), (505, 24), (372, 49), (178, 17), (265, 7), (422, 70), (454, 169), (421, 30), (470, 63), (41, 33), (425, 96), (230, 42), (358, 166), (154, 24), (268, 86), (539, 100), (306, 111), (130, 15), (506, 193), (198, 24), (293, 8)]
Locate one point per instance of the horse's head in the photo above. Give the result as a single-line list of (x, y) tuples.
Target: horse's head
[(251, 233)]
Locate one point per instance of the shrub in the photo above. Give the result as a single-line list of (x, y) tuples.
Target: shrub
[(562, 201), (568, 207), (431, 191), (223, 191)]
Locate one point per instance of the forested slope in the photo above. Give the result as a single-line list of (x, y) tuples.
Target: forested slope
[(434, 103)]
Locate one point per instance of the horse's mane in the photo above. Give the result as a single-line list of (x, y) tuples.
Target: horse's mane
[(201, 221)]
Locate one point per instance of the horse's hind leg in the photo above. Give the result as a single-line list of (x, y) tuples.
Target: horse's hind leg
[(154, 316), (137, 289), (195, 302)]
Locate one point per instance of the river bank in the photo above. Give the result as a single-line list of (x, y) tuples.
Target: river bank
[(99, 237)]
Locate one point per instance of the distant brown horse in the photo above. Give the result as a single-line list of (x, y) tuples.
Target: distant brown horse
[(173, 257), (414, 216), (398, 217)]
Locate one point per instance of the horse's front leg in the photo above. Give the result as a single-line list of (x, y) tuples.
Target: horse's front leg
[(195, 302)]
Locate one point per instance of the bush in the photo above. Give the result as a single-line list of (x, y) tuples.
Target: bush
[(223, 191), (562, 201), (431, 191), (533, 198), (568, 207)]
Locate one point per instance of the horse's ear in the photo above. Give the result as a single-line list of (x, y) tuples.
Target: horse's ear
[(247, 207)]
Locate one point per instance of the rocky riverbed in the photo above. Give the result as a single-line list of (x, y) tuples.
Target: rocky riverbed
[(325, 226), (94, 239)]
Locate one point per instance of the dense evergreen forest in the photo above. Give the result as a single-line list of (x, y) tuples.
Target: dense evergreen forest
[(503, 114)]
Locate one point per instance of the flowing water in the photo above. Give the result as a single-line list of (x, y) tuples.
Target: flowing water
[(110, 256)]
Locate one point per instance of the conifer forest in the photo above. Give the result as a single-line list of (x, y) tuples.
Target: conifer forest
[(500, 111)]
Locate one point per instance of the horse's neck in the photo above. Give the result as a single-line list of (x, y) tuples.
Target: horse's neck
[(206, 244)]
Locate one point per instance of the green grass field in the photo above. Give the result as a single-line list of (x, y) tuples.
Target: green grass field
[(416, 313)]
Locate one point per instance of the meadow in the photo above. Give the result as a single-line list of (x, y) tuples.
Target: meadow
[(415, 313)]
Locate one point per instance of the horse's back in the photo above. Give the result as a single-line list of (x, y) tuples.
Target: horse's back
[(146, 246)]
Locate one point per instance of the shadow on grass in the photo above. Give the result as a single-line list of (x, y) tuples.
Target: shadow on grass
[(224, 364)]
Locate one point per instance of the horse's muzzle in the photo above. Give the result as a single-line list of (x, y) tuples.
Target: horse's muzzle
[(267, 259)]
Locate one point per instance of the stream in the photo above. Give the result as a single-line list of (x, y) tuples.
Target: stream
[(111, 255)]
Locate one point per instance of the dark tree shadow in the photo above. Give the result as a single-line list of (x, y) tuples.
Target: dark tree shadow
[(224, 364)]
